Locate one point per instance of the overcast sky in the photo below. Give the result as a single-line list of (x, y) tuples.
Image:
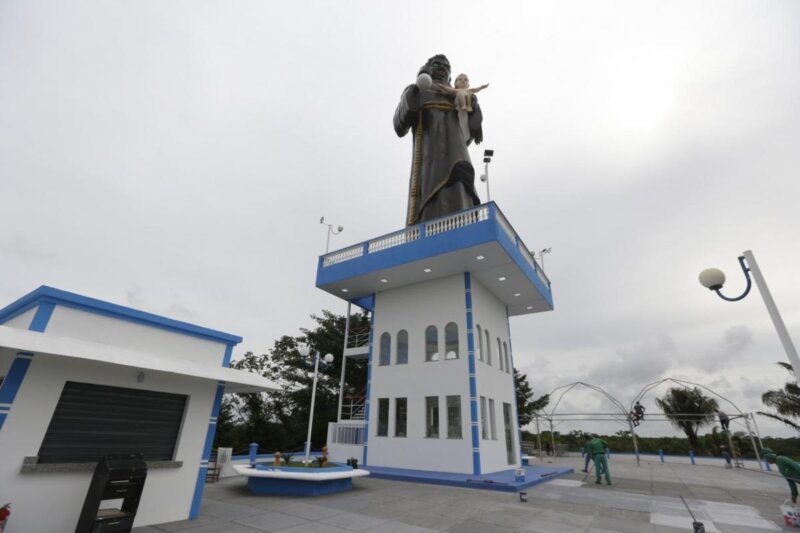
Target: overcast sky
[(177, 156)]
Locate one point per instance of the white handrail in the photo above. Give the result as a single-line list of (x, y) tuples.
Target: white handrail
[(435, 227)]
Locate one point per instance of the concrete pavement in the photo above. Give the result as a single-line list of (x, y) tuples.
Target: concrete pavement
[(642, 498)]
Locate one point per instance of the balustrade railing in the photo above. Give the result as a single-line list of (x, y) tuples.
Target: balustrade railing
[(435, 227), (347, 433), (343, 255), (459, 220), (393, 239)]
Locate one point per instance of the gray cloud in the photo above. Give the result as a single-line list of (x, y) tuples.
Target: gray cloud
[(184, 167), (19, 248)]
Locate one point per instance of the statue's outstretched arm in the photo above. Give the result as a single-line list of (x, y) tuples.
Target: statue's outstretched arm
[(405, 116), (442, 88)]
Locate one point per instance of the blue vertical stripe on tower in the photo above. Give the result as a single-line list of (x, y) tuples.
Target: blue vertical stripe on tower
[(369, 387), (473, 383)]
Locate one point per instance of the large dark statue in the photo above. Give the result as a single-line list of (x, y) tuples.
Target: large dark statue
[(442, 176)]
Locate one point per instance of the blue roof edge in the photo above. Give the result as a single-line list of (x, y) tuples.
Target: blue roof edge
[(100, 307)]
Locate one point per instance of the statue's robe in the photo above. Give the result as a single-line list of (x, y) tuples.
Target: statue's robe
[(442, 176)]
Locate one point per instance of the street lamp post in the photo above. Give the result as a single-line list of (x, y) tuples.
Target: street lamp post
[(305, 351), (336, 231), (714, 279), (487, 158)]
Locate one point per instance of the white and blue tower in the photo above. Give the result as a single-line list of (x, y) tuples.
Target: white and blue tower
[(440, 388)]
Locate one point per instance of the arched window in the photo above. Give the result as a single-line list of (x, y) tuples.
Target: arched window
[(488, 347), (402, 347), (500, 354), (508, 359), (451, 341), (431, 343), (479, 343), (386, 350)]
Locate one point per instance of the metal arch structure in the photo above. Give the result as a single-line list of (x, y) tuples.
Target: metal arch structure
[(685, 384), (624, 413), (689, 384), (595, 388)]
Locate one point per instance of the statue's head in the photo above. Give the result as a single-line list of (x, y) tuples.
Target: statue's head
[(438, 67), (462, 82)]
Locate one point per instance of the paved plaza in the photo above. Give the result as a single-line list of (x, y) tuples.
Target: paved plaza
[(641, 499)]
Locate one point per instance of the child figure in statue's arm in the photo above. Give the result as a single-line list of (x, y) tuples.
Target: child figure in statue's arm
[(463, 100), (461, 92)]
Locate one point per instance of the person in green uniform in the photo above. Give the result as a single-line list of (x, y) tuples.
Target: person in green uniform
[(789, 469), (597, 449)]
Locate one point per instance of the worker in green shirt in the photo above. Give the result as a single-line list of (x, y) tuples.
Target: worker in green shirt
[(789, 469), (597, 449)]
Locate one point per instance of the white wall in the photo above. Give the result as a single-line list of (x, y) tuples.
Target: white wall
[(51, 502), (340, 453), (88, 326), (414, 309), (489, 313), (22, 321)]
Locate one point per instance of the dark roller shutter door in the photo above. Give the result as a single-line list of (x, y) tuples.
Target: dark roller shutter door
[(91, 421)]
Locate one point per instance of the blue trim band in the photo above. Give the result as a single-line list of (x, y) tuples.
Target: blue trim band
[(226, 360), (2, 419), (217, 402), (13, 380), (369, 388), (473, 385), (194, 512), (99, 307), (493, 229), (42, 316), (212, 429)]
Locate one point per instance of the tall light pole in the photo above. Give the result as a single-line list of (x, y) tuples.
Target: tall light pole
[(305, 352), (336, 231), (487, 158), (714, 279)]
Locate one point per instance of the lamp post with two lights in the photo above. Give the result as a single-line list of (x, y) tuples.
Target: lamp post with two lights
[(305, 351)]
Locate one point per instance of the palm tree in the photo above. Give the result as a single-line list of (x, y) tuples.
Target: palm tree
[(785, 401), (688, 410)]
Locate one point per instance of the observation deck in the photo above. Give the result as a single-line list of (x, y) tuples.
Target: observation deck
[(479, 240)]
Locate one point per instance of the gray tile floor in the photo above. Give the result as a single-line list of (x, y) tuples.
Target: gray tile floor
[(642, 498)]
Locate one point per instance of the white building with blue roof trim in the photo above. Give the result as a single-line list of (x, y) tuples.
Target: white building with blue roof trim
[(82, 378), (440, 386)]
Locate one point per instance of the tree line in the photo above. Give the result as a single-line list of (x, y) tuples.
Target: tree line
[(279, 420)]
